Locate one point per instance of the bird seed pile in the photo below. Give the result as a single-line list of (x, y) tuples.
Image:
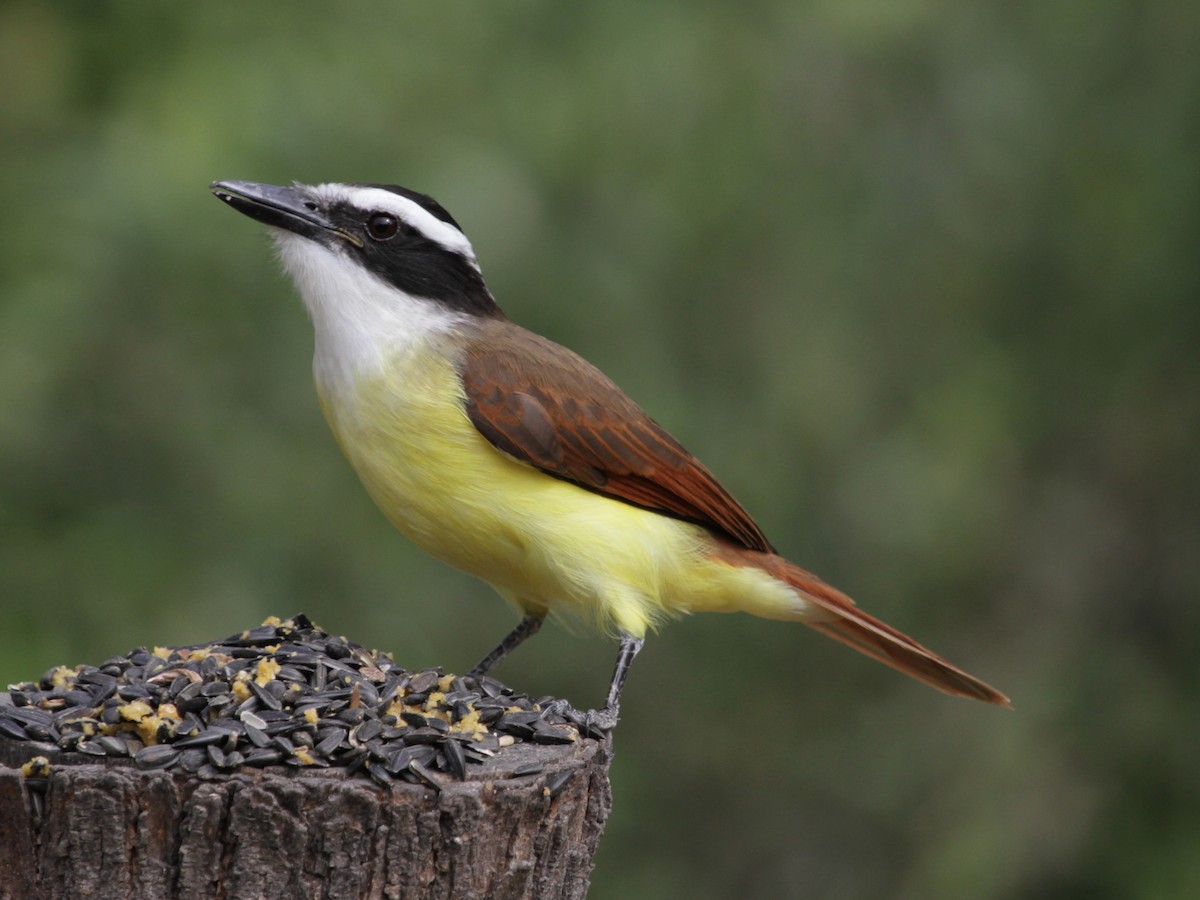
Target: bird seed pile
[(285, 693)]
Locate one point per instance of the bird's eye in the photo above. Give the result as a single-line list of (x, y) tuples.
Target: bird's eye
[(382, 226)]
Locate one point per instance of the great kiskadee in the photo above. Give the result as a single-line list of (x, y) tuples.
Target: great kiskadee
[(513, 459)]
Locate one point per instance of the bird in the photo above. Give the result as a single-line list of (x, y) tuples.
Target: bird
[(513, 459)]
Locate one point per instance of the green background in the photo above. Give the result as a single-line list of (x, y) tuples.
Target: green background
[(918, 280)]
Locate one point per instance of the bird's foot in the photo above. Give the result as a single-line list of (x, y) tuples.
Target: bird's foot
[(592, 722)]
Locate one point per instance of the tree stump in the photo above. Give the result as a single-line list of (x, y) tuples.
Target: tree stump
[(521, 821), (109, 830)]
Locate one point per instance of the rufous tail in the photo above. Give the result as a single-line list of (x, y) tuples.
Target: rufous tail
[(847, 623)]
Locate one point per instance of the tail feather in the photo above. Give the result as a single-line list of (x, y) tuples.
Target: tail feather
[(837, 617), (910, 658), (880, 641)]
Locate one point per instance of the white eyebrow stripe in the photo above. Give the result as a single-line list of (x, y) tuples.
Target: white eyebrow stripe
[(413, 213)]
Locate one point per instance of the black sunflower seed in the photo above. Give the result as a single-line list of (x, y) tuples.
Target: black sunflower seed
[(423, 736), (330, 743), (133, 692), (79, 699), (257, 736), (352, 716), (337, 649), (545, 733), (283, 743), (418, 769), (556, 784), (159, 756), (28, 715), (189, 691), (263, 756), (204, 738), (192, 760), (489, 716), (70, 714), (369, 729), (456, 761), (113, 746), (476, 754), (415, 719), (233, 759), (266, 697), (43, 733), (97, 677), (379, 774), (423, 682), (510, 725)]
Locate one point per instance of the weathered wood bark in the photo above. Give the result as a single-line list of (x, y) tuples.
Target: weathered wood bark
[(107, 829)]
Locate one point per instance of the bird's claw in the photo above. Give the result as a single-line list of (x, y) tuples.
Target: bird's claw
[(592, 722)]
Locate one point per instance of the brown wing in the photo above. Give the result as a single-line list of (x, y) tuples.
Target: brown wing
[(564, 416)]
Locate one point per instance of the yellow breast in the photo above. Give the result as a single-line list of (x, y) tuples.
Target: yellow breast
[(540, 541)]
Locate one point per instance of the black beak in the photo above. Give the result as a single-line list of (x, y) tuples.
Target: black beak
[(282, 207)]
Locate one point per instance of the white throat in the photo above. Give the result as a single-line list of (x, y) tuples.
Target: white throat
[(360, 321)]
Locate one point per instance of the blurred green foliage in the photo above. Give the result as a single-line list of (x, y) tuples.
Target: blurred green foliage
[(918, 280)]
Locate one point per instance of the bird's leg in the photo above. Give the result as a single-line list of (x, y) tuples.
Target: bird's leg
[(526, 628), (605, 719)]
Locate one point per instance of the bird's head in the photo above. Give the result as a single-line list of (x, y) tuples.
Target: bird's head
[(403, 238), (377, 265)]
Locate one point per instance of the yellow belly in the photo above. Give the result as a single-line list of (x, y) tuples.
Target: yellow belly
[(543, 543)]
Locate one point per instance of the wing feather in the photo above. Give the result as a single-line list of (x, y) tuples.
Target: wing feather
[(545, 406)]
